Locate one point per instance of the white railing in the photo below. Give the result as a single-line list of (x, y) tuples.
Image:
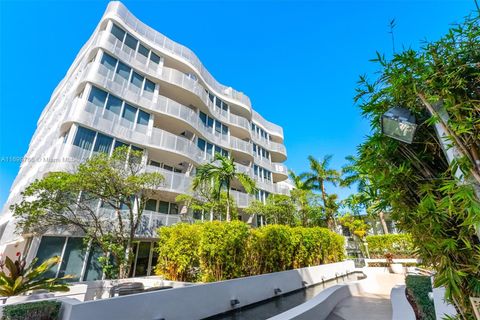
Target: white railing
[(162, 42), (272, 128), (269, 145)]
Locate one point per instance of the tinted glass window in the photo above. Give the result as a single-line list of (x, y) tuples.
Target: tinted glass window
[(143, 117), (137, 79), (131, 42), (163, 207), (155, 58), (117, 32), (143, 51), (123, 70), (84, 138), (129, 112), (203, 118), (201, 144), (114, 104), (109, 62), (149, 86), (103, 143), (151, 205), (119, 144), (72, 261), (97, 97), (50, 247)]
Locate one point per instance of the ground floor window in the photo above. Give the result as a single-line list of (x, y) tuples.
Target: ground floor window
[(81, 260)]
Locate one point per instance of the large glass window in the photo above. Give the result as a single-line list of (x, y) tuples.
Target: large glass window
[(72, 261), (114, 104), (137, 79), (143, 51), (118, 33), (149, 86), (201, 144), (119, 144), (84, 138), (143, 255), (50, 247), (173, 208), (163, 207), (151, 205), (203, 118), (109, 62), (94, 269), (123, 70), (97, 97), (143, 118), (131, 42), (129, 112), (103, 143), (154, 58)]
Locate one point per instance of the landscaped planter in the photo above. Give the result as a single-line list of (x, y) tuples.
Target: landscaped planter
[(396, 268)]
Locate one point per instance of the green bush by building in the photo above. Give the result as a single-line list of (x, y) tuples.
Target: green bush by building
[(400, 245), (213, 251)]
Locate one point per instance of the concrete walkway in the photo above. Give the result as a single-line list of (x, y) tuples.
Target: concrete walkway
[(373, 304)]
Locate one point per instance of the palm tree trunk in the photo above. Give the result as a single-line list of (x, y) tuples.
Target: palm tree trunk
[(228, 204), (381, 215)]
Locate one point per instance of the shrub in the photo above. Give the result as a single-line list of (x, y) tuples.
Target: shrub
[(42, 310), (213, 251), (400, 245), (418, 288), (178, 252)]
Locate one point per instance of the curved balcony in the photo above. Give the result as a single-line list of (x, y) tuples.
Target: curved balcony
[(277, 149), (271, 128), (122, 88), (111, 44), (279, 170), (155, 39), (166, 106)]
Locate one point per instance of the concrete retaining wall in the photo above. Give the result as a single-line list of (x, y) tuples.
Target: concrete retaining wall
[(401, 308), (200, 301)]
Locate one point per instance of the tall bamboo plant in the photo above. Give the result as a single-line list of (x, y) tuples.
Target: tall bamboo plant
[(415, 182)]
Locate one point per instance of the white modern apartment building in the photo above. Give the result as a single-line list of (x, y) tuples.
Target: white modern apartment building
[(131, 85)]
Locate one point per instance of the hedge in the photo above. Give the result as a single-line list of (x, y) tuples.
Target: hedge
[(213, 251), (42, 310), (418, 288), (400, 245)]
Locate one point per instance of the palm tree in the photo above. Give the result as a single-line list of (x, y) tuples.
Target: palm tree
[(221, 176), (298, 180), (319, 175), (368, 196)]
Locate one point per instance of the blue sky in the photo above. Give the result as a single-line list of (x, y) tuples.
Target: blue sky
[(297, 61)]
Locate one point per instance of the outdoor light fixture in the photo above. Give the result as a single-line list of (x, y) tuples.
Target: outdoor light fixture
[(399, 123)]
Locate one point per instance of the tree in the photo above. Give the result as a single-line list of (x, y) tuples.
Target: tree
[(103, 199), (21, 279), (433, 200), (319, 175), (277, 209), (221, 177)]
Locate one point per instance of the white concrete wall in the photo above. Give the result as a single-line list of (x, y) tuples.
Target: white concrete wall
[(401, 308), (200, 301)]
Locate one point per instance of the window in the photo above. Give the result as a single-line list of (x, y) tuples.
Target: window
[(143, 118), (173, 208), (123, 70), (154, 58), (218, 127), (149, 86), (50, 247), (155, 163), (209, 148), (163, 207), (143, 51), (167, 167), (131, 42), (84, 138), (137, 79), (211, 97), (119, 144), (129, 112), (72, 260), (224, 129), (109, 62), (203, 118), (118, 33), (201, 144), (209, 122), (97, 97), (114, 104), (103, 143), (151, 205)]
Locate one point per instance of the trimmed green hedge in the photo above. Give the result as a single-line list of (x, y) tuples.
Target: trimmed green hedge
[(213, 251), (400, 245), (418, 288), (42, 310)]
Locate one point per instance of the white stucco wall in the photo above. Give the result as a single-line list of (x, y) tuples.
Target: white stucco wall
[(200, 301)]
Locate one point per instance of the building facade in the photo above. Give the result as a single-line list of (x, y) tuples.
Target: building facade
[(130, 85)]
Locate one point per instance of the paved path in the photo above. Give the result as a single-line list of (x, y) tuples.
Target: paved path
[(361, 308)]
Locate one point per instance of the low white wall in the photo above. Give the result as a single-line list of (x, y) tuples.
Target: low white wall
[(401, 308), (200, 301), (442, 308)]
